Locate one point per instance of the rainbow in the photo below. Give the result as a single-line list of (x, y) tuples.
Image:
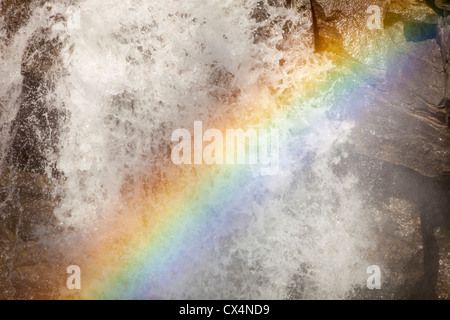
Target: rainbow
[(172, 221)]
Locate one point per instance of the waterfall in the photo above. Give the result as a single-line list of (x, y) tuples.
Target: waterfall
[(124, 74)]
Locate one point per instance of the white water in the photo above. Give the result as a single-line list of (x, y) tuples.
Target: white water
[(311, 224), (141, 69), (138, 69)]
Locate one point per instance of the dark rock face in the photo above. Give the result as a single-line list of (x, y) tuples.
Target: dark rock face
[(443, 285), (409, 210), (26, 194), (402, 133), (406, 116), (16, 14), (27, 204), (27, 269), (36, 127), (443, 39), (26, 212), (404, 119)]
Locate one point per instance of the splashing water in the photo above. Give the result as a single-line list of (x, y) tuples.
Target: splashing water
[(135, 71)]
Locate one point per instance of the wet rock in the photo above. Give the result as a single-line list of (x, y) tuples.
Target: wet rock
[(37, 281), (403, 122), (404, 209), (425, 20), (443, 278), (341, 28), (27, 200), (27, 204), (7, 242), (26, 207), (27, 272), (15, 14), (272, 22), (36, 127), (418, 11), (399, 248), (443, 39)]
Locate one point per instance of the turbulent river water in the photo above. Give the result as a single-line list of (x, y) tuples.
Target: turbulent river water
[(119, 76)]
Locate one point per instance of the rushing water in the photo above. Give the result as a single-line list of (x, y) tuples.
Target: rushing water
[(131, 72)]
